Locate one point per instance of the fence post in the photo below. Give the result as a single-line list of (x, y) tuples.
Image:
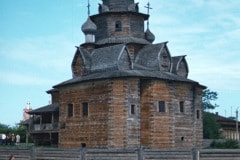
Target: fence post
[(140, 153), (33, 153), (83, 152), (195, 153)]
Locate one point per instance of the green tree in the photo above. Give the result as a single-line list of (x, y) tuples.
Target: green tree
[(17, 129), (207, 98), (211, 129), (4, 128)]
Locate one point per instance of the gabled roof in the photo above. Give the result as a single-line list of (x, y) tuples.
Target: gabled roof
[(151, 56), (176, 61), (82, 55), (108, 58), (115, 62), (46, 109), (147, 56)]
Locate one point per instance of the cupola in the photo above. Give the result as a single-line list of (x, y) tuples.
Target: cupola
[(149, 36), (89, 29)]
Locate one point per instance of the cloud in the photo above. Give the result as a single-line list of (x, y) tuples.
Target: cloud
[(208, 33)]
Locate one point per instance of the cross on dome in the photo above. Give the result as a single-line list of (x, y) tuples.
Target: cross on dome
[(148, 7), (148, 11), (88, 6)]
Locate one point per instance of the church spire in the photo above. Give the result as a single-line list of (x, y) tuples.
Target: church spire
[(28, 106), (26, 111)]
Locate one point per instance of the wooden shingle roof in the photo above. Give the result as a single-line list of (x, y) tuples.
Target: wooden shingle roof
[(48, 108), (144, 74), (115, 62), (123, 40)]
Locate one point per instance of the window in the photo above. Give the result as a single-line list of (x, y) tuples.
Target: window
[(63, 125), (70, 110), (85, 109), (118, 26), (182, 138), (133, 109), (181, 105), (84, 145), (198, 114), (161, 106)]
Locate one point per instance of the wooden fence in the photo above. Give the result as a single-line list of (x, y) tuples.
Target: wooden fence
[(219, 154), (118, 154)]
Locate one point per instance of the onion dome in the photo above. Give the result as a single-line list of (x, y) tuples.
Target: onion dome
[(149, 36), (103, 8), (89, 27)]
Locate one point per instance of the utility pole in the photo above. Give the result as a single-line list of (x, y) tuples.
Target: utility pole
[(237, 133)]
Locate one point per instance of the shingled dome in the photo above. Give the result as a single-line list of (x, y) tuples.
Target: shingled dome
[(89, 27), (149, 36)]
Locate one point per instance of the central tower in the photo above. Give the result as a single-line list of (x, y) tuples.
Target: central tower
[(119, 21), (118, 5)]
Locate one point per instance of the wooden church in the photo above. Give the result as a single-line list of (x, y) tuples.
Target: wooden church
[(125, 90)]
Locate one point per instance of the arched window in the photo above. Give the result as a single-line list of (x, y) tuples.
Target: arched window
[(118, 26)]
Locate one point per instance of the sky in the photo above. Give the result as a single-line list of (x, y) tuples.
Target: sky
[(38, 39)]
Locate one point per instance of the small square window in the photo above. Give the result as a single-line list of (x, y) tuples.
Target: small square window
[(70, 110), (85, 109), (181, 107), (133, 109), (198, 114), (118, 26), (161, 106), (84, 145)]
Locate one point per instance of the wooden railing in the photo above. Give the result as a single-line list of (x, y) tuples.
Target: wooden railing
[(44, 127), (118, 154)]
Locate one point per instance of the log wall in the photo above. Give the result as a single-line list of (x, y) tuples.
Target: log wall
[(110, 122)]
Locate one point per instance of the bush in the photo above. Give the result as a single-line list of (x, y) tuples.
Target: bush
[(227, 144)]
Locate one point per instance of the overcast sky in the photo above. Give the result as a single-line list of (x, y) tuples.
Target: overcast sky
[(38, 39)]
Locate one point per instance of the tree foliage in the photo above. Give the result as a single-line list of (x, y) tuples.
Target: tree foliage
[(211, 129), (18, 129), (207, 98), (227, 144)]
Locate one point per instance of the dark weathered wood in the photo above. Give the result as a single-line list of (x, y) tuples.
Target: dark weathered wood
[(112, 79), (120, 154), (219, 154)]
